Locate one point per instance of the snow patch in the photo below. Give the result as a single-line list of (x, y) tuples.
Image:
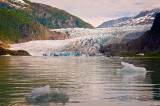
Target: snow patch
[(19, 1)]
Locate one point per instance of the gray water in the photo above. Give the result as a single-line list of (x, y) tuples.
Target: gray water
[(88, 81)]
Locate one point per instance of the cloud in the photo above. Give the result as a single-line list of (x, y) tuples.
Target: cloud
[(98, 11)]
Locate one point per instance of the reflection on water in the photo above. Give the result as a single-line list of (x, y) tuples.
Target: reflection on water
[(87, 80)]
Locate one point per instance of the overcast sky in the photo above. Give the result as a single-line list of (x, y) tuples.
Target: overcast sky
[(98, 11)]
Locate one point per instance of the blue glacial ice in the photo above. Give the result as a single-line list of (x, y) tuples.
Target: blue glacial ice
[(68, 53)]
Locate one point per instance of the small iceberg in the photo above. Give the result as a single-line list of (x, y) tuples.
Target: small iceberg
[(44, 95), (140, 54), (131, 68), (6, 55), (40, 91), (131, 73)]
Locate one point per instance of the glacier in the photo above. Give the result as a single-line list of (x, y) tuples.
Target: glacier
[(82, 41)]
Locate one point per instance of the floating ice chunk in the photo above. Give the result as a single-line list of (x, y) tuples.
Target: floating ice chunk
[(44, 94), (131, 67), (24, 56), (40, 91), (140, 54), (131, 73), (6, 55)]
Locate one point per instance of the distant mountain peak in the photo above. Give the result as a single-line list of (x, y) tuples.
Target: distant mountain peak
[(143, 18), (113, 22)]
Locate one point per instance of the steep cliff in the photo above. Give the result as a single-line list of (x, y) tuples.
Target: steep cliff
[(150, 41)]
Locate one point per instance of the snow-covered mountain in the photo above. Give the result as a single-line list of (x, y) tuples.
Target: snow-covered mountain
[(81, 41), (113, 22), (143, 18)]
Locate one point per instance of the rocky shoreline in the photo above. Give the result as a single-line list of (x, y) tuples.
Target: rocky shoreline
[(5, 51)]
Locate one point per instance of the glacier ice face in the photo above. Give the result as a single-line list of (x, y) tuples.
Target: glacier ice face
[(82, 41), (44, 94)]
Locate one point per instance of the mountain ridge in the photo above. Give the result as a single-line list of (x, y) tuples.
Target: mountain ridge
[(16, 28), (112, 22), (24, 21), (144, 17), (51, 17)]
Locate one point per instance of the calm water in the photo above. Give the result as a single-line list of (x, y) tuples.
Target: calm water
[(88, 81)]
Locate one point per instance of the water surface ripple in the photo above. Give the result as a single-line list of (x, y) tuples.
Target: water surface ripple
[(87, 80)]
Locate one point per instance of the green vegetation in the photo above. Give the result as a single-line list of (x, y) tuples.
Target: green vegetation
[(48, 16), (145, 55), (14, 26), (52, 17), (19, 22)]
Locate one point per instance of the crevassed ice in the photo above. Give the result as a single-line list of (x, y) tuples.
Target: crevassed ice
[(79, 32), (82, 41)]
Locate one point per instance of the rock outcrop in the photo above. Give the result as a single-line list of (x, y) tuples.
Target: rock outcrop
[(5, 51), (150, 41)]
